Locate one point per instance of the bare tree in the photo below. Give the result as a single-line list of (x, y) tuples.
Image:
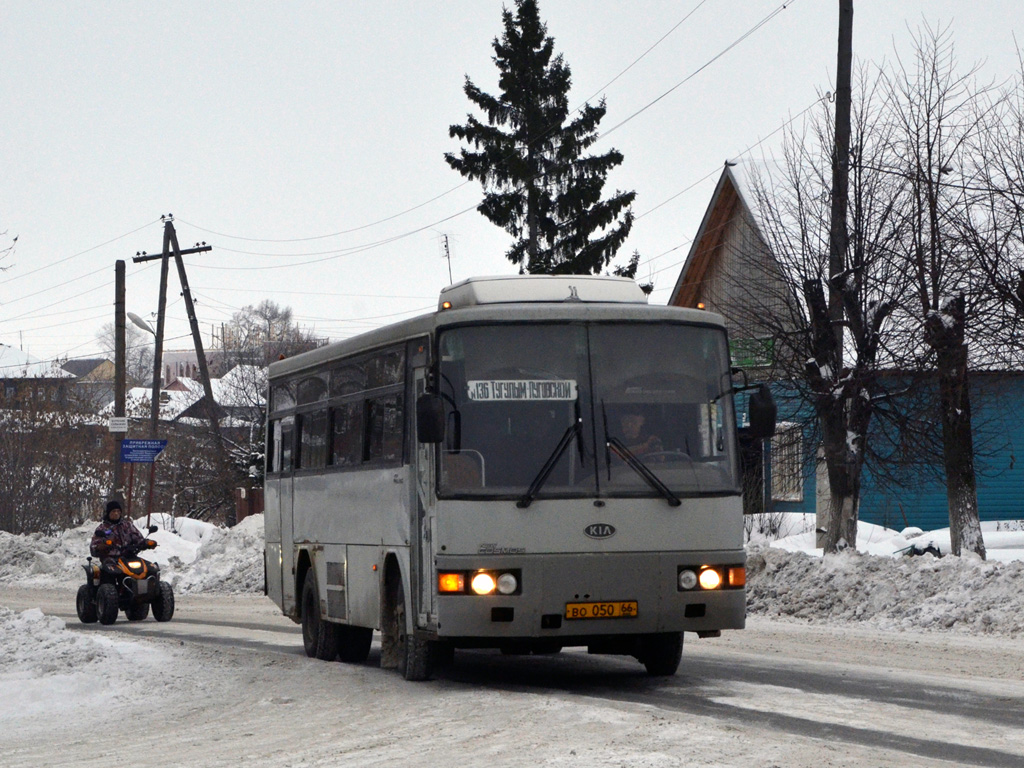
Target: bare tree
[(138, 351), (938, 115), (51, 474), (837, 375)]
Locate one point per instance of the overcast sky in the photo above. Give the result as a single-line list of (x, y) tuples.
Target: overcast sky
[(304, 140)]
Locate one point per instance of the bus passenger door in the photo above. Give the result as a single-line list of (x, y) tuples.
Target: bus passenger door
[(286, 505), (423, 523)]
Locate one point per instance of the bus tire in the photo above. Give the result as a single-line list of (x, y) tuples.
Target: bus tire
[(319, 637), (412, 656), (353, 643), (661, 653)]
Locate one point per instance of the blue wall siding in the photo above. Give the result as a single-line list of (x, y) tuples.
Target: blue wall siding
[(997, 419), (997, 404)]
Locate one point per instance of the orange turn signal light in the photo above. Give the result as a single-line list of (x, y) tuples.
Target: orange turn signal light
[(737, 576), (451, 582)]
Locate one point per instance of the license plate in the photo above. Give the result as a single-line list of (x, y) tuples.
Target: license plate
[(621, 609), (143, 586)]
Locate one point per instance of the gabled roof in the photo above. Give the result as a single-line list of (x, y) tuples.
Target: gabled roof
[(83, 367), (15, 364), (729, 195)]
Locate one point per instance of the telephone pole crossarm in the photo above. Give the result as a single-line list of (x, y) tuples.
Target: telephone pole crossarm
[(185, 252)]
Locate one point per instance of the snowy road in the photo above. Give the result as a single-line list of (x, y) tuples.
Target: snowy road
[(234, 686)]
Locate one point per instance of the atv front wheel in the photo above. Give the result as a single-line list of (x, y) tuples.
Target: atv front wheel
[(106, 603), (85, 605), (163, 605)]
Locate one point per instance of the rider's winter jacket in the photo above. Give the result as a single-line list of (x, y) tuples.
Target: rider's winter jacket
[(121, 535)]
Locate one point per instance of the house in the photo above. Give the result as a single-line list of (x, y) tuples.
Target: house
[(728, 264), (94, 380), (27, 381), (238, 399)]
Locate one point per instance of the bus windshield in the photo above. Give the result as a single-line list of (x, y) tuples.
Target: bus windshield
[(586, 409)]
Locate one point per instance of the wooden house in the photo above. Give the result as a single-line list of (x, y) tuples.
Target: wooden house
[(728, 264)]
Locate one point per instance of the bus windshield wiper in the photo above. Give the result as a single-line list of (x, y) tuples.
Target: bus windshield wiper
[(575, 429), (620, 449), (643, 470)]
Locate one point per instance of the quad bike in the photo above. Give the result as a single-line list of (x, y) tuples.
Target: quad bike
[(130, 584)]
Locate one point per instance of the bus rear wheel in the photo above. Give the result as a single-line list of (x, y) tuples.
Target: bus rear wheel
[(353, 643), (319, 637)]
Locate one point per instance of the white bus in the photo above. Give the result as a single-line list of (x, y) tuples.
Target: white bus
[(543, 462)]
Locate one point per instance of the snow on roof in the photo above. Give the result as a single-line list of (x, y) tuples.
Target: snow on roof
[(239, 387), (15, 364)]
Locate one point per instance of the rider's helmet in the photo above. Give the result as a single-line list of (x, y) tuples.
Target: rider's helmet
[(112, 505)]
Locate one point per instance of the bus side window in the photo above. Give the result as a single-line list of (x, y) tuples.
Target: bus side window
[(313, 440), (385, 419), (286, 444), (347, 435)]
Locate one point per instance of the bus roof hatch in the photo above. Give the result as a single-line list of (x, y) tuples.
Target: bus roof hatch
[(541, 288)]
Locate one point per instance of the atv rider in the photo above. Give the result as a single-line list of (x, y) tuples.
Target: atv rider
[(114, 535)]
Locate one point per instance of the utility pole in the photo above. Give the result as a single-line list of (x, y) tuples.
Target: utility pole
[(838, 235), (120, 366), (171, 248), (448, 256)]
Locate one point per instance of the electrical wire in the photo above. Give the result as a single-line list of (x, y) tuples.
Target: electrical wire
[(701, 68), (547, 132), (75, 255)]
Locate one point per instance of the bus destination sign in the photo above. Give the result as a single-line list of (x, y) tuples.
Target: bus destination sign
[(522, 389)]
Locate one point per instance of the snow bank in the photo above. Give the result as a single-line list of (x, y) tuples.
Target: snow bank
[(195, 556), (46, 669), (226, 560), (949, 593)]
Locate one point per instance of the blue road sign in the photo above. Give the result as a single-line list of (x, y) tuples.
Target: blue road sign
[(141, 451)]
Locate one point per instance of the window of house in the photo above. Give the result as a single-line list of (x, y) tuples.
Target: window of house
[(787, 463)]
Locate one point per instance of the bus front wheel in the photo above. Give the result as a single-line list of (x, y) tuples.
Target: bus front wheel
[(661, 653), (400, 649)]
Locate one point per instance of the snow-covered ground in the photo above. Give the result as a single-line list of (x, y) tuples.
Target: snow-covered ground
[(47, 669)]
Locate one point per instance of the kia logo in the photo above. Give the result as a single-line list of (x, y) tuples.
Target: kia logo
[(599, 530)]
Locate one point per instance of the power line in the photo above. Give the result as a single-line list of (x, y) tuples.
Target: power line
[(464, 183), (75, 255), (704, 66)]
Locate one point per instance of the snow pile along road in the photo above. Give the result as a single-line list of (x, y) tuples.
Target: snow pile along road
[(949, 593), (46, 669), (195, 556), (227, 560)]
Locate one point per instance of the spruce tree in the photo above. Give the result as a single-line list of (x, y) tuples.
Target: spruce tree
[(529, 157)]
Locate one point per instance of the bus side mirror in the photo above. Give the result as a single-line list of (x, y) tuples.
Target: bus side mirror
[(762, 413), (430, 418)]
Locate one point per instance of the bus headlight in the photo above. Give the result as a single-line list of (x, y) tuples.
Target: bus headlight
[(483, 584), (710, 579), (507, 584), (687, 579)]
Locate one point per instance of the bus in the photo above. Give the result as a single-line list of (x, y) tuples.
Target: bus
[(543, 462)]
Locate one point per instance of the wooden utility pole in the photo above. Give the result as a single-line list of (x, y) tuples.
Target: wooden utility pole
[(171, 248), (120, 367), (838, 236)]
